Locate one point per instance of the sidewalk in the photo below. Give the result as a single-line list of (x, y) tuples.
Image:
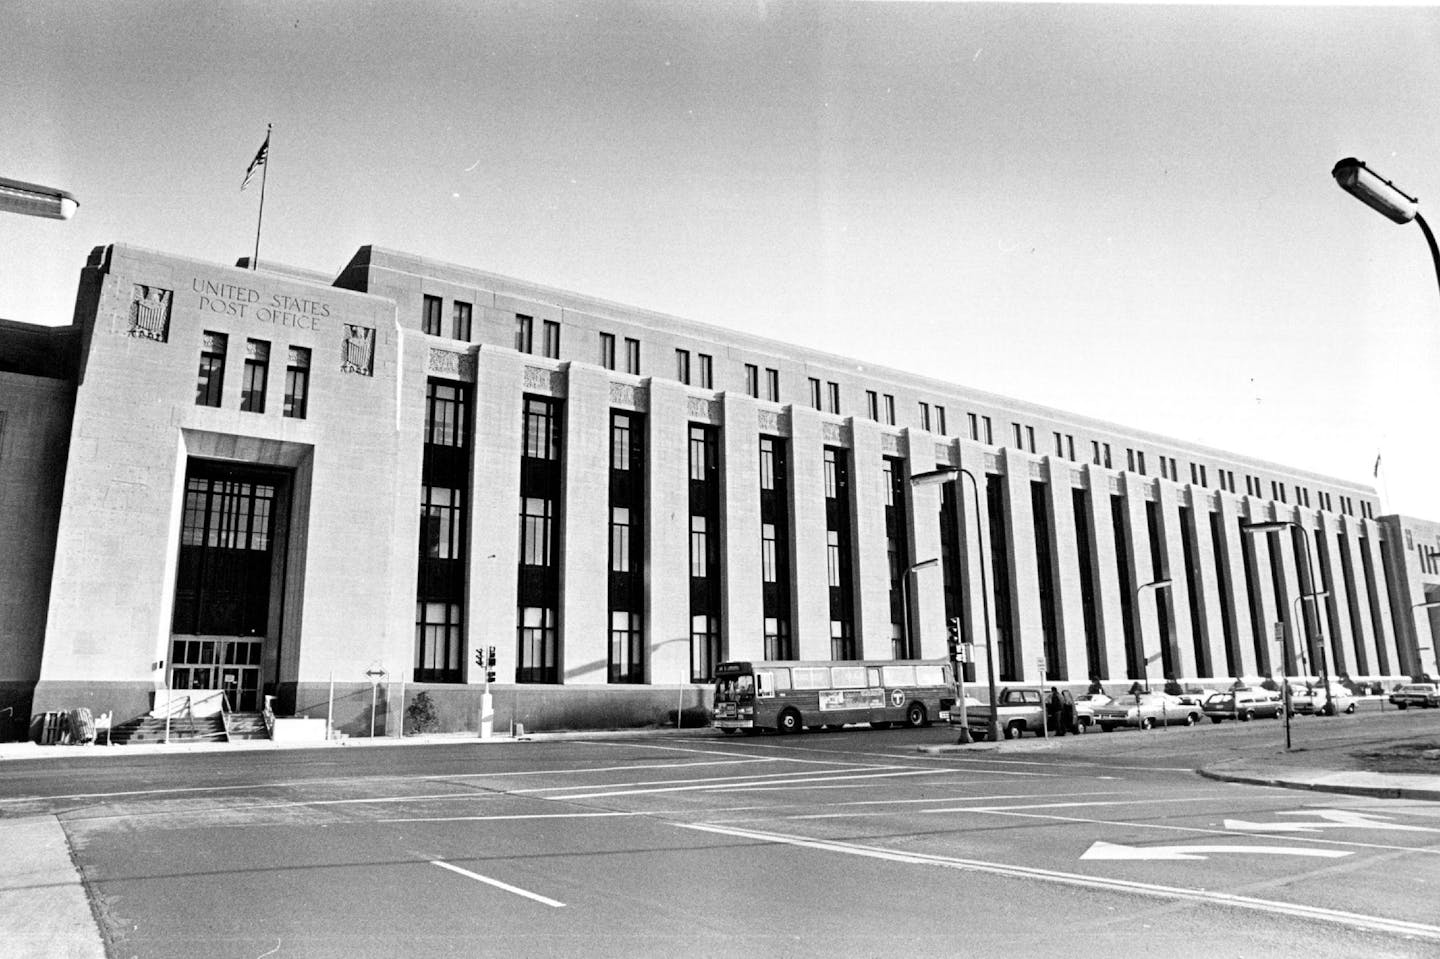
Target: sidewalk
[(1399, 769)]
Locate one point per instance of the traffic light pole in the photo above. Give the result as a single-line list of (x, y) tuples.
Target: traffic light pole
[(487, 703), (958, 658)]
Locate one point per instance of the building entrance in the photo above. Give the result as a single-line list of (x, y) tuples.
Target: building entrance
[(230, 567)]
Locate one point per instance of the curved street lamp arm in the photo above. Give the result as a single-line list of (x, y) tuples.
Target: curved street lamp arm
[(1430, 238)]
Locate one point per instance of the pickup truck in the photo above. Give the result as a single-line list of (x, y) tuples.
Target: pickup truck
[(1019, 711)]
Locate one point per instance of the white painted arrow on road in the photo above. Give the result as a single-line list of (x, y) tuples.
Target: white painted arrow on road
[(1332, 819), (1106, 850)]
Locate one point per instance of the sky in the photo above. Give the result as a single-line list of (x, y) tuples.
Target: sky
[(1120, 211)]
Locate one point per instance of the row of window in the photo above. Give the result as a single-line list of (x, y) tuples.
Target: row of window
[(256, 375), (880, 407)]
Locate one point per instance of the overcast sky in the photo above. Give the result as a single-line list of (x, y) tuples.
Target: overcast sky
[(1121, 211)]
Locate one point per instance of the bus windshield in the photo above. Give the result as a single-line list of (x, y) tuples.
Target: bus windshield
[(734, 688)]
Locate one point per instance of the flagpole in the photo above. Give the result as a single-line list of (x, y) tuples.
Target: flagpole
[(264, 172)]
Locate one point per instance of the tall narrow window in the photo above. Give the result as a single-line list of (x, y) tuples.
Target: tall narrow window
[(460, 321), (430, 322), (752, 380), (552, 339), (682, 366), (988, 430), (940, 421), (814, 392), (925, 416), (297, 382), (973, 422), (889, 410), (620, 539), (607, 350), (707, 372), (524, 334), (257, 372), (772, 385), (212, 369), (872, 404), (542, 434), (834, 393), (1030, 438), (632, 356)]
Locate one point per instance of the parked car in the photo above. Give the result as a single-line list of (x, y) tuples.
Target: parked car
[(1086, 704), (1416, 694), (1146, 710), (1311, 699), (1244, 705)]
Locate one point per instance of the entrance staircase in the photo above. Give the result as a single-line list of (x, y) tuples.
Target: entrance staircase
[(246, 726), (185, 729)]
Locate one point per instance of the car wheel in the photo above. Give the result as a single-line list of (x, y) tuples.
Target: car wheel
[(1147, 723), (1350, 709), (789, 722), (1191, 719), (1246, 715), (1015, 730)]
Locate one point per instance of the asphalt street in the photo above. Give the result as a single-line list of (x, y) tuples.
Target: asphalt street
[(852, 843)]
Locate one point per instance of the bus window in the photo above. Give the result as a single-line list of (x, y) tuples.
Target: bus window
[(813, 677), (764, 684), (931, 675), (781, 677), (899, 675), (848, 677)]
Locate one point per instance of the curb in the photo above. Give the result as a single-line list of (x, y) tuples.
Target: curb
[(1345, 789)]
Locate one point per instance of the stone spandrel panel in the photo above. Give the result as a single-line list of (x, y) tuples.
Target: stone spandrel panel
[(150, 313), (460, 366), (773, 422), (836, 434), (358, 350), (704, 411), (544, 381), (626, 396)]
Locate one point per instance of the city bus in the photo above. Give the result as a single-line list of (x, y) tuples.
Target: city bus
[(790, 695)]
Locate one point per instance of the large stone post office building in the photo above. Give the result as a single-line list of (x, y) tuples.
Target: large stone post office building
[(272, 481)]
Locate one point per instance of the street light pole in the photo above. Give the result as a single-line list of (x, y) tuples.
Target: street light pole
[(1274, 527), (1384, 197), (1157, 585), (905, 603), (943, 475)]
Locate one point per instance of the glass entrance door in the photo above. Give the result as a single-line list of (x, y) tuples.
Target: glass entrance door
[(232, 665), (229, 568)]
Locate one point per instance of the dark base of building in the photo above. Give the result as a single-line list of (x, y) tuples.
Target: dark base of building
[(353, 706)]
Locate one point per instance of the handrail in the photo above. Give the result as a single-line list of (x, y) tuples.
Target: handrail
[(173, 707), (225, 715), (268, 715)]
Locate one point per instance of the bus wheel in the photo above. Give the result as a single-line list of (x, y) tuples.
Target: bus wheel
[(727, 731), (915, 715), (789, 722)]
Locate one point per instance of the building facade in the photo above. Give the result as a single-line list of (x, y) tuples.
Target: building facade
[(340, 492)]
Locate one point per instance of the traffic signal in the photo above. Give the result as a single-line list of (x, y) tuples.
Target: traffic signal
[(492, 657), (479, 657), (953, 639), (490, 676)]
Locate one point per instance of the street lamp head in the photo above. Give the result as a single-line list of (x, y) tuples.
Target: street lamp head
[(1270, 526), (925, 564), (30, 199), (934, 477), (1376, 192), (1157, 584)]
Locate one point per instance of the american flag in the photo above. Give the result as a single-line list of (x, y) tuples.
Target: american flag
[(258, 162)]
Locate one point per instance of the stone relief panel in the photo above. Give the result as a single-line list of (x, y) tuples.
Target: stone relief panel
[(630, 397), (450, 363), (835, 434), (990, 462), (945, 455), (704, 411), (150, 313), (543, 381), (891, 443), (358, 348), (773, 422)]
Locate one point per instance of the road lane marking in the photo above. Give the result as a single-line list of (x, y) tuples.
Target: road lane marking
[(708, 779), (1201, 830), (1354, 920), (604, 793), (1110, 850), (544, 900), (499, 818), (1069, 805), (1333, 819)]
